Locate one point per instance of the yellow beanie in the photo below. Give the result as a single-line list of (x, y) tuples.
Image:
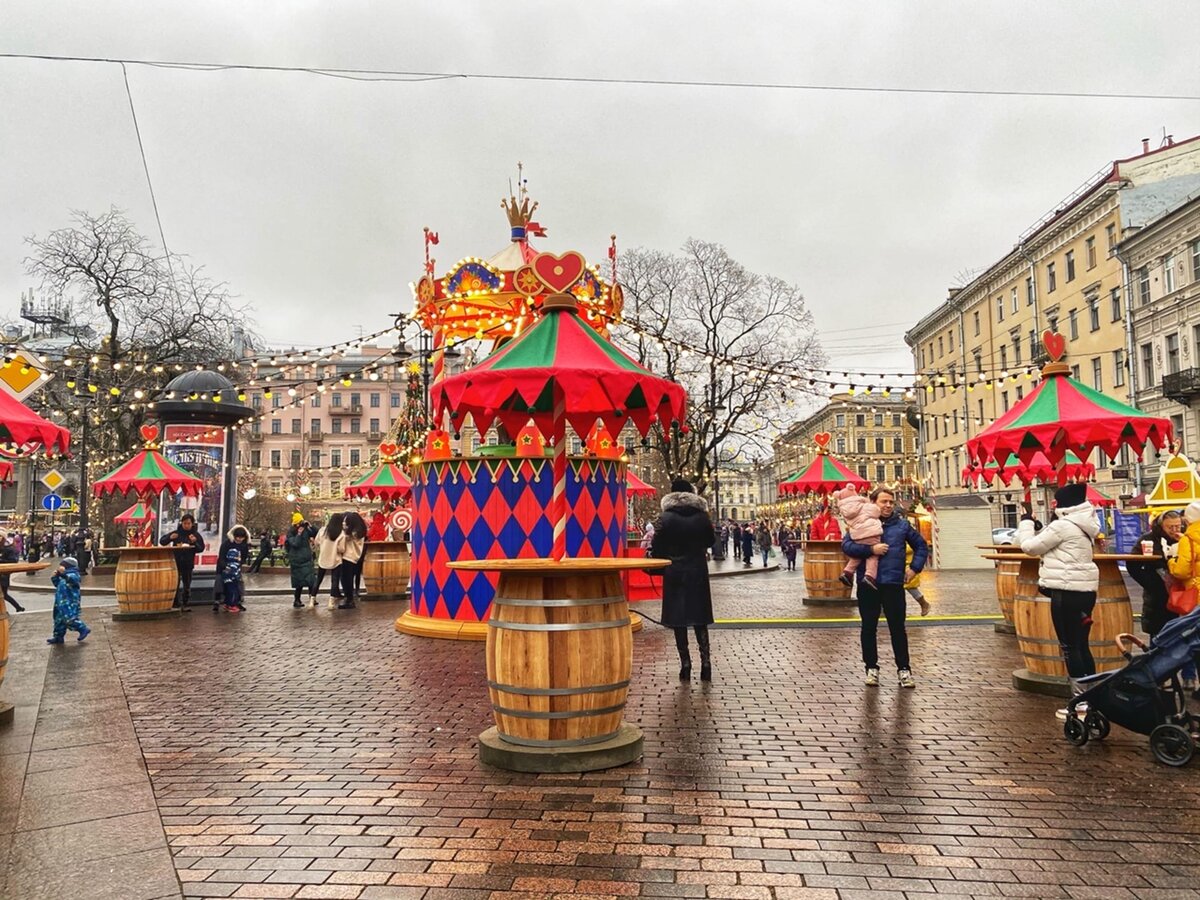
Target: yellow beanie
[(297, 518)]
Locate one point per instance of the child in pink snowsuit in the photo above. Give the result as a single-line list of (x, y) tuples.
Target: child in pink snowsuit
[(865, 527)]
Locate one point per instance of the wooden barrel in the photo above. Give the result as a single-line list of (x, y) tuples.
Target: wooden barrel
[(559, 657), (385, 570), (1006, 586), (1035, 629), (823, 563), (146, 580)]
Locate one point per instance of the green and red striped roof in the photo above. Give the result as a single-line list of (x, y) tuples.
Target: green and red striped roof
[(384, 482), (148, 473), (1064, 415), (823, 476), (1038, 468), (636, 487), (139, 512), (560, 357)]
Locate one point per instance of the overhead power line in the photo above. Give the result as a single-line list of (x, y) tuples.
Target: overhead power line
[(399, 75)]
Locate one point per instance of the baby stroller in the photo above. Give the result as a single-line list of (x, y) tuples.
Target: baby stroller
[(1146, 696)]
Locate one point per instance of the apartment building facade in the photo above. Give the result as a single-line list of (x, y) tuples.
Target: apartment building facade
[(979, 352)]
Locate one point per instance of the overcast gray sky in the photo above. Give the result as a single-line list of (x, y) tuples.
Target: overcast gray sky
[(308, 194)]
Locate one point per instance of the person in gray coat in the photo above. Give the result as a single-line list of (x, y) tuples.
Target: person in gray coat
[(683, 535)]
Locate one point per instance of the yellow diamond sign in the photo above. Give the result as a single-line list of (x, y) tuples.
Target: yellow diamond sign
[(53, 479), (20, 373)]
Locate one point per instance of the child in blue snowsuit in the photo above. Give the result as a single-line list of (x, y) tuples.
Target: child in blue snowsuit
[(231, 580), (66, 601)]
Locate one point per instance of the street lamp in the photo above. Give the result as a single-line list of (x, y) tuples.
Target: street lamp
[(714, 408), (423, 351)]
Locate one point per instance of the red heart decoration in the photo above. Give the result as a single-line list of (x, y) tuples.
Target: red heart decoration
[(149, 432), (388, 449), (1055, 344), (822, 439), (558, 272)]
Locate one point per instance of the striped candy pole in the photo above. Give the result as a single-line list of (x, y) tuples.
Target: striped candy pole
[(558, 505), (439, 354)]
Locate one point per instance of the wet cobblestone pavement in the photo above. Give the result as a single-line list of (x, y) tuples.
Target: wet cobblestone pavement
[(288, 753)]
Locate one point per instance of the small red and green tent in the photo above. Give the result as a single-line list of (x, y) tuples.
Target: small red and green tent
[(23, 431), (1063, 415), (1096, 498), (384, 482), (148, 474), (139, 512), (1039, 468), (637, 487), (824, 475)]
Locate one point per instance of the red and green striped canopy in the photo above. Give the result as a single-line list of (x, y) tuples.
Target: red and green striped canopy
[(1038, 468), (148, 473), (823, 476), (1064, 415), (561, 358), (139, 512), (23, 431), (636, 486), (384, 482)]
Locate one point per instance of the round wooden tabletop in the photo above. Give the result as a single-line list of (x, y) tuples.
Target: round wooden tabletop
[(542, 566), (17, 568), (170, 548)]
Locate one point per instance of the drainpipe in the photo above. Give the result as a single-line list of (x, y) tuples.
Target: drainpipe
[(1130, 359)]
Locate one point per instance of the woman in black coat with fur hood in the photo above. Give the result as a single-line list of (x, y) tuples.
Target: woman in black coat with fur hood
[(683, 535)]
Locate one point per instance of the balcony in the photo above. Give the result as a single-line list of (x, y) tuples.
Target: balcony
[(1182, 387), (375, 436), (345, 410), (315, 437), (254, 437)]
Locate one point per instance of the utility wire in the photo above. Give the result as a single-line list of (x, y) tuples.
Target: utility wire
[(418, 76), (146, 168)]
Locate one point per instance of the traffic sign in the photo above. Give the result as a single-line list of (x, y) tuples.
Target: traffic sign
[(68, 504), (21, 374), (53, 479), (52, 502)]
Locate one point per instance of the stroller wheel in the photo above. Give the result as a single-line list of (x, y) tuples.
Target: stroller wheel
[(1075, 731), (1097, 725), (1172, 745)]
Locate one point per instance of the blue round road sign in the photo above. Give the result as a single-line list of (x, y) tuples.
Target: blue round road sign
[(52, 502)]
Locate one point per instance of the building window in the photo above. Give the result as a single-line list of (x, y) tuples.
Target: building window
[(1020, 392), (1094, 313), (335, 458), (373, 426), (276, 401), (860, 420), (1051, 280), (1097, 374), (256, 401), (1147, 365), (1004, 357), (256, 459), (1029, 291), (395, 400), (956, 421), (294, 458), (1004, 400), (356, 400), (950, 342), (1075, 371), (880, 472), (898, 471), (980, 421), (1196, 341), (1144, 285), (841, 445), (336, 402), (1090, 245), (879, 416), (316, 401), (840, 420), (1177, 428), (1014, 302), (296, 426), (862, 470), (1118, 368), (1052, 323), (977, 322), (336, 425), (276, 426), (1110, 233), (1168, 266), (862, 445), (941, 348), (999, 309), (895, 420), (314, 459), (878, 445), (375, 401), (355, 456), (276, 456), (1073, 324), (315, 430), (1114, 301), (1172, 354), (1195, 260), (978, 361), (356, 426), (897, 445), (1016, 339), (1070, 265)]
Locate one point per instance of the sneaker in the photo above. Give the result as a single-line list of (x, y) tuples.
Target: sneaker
[(869, 581), (906, 679), (297, 604), (232, 609), (924, 604), (873, 677), (845, 579), (83, 633), (1080, 711)]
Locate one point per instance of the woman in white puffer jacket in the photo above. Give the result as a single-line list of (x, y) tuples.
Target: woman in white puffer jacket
[(1068, 573)]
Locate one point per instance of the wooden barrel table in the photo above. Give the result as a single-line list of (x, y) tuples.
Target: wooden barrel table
[(559, 657), (6, 709), (1112, 615), (1007, 567), (386, 567), (146, 581), (823, 563)]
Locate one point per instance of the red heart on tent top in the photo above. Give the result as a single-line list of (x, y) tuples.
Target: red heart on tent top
[(149, 432), (822, 439), (558, 272), (388, 449), (1055, 344)]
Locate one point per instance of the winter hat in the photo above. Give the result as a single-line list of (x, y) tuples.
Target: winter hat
[(1071, 495), (1191, 512), (297, 518), (69, 562), (682, 486)]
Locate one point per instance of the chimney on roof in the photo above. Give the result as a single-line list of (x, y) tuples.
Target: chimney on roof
[(1145, 145), (954, 292), (1170, 140)]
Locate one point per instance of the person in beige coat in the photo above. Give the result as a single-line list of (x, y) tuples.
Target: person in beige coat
[(351, 546), (329, 559)]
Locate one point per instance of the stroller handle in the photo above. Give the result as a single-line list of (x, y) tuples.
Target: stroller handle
[(1127, 651)]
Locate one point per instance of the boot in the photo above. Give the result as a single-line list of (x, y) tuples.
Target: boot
[(685, 656), (705, 661)]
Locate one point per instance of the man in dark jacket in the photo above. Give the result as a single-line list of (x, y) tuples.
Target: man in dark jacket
[(748, 544), (683, 535), (265, 548), (888, 594), (188, 537)]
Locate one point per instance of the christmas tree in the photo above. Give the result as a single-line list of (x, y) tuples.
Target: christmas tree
[(408, 431)]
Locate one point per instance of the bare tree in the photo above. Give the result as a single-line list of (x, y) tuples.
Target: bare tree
[(746, 340)]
